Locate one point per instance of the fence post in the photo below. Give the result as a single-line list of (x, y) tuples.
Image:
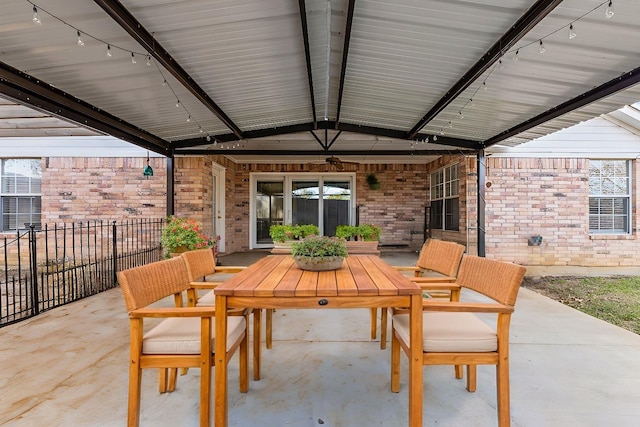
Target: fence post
[(35, 297), (114, 239)]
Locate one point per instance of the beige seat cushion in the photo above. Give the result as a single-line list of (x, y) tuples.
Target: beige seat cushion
[(207, 300), (450, 332), (181, 335)]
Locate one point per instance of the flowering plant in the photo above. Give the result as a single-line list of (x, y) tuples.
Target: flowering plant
[(182, 233)]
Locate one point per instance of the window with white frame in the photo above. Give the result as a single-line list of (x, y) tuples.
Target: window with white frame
[(20, 193), (445, 207), (609, 196)]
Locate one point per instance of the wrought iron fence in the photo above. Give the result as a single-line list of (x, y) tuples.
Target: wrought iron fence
[(63, 263)]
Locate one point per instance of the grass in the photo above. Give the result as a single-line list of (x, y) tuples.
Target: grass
[(613, 299)]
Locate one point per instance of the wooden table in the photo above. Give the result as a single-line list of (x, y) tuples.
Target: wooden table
[(276, 282)]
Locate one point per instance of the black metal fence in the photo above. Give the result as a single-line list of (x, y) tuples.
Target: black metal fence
[(63, 263)]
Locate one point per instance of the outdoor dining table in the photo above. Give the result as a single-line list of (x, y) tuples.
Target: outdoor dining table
[(363, 281)]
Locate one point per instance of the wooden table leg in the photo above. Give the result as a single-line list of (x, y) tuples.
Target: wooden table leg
[(221, 373), (415, 362)]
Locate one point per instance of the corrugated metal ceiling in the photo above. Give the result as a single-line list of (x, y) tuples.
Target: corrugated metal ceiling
[(268, 68)]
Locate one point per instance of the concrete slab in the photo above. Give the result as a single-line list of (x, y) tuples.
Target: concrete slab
[(68, 367)]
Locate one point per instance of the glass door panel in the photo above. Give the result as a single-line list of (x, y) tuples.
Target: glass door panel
[(269, 208), (336, 203), (304, 202)]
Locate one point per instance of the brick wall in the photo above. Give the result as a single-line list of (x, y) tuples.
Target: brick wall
[(549, 197), (84, 188)]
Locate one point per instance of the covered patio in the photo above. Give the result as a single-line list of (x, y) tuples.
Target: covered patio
[(67, 367)]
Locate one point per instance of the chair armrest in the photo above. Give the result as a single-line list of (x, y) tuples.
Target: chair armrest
[(406, 267), (475, 307), (438, 286), (432, 279), (205, 311), (229, 269), (205, 285)]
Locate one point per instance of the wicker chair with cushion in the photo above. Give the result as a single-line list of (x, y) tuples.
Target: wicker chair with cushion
[(204, 274), (454, 335), (183, 339), (435, 272)]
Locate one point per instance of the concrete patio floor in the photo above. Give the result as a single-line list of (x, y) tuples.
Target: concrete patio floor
[(68, 367)]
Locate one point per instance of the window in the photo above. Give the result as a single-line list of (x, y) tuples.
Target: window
[(609, 196), (20, 181), (445, 208)]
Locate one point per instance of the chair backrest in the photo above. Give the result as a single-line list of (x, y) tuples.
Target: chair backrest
[(499, 280), (149, 283), (200, 263), (441, 256)]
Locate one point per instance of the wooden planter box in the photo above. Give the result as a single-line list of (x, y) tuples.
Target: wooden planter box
[(359, 247), (282, 248)]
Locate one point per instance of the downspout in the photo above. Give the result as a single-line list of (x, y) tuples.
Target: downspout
[(481, 202), (170, 177)]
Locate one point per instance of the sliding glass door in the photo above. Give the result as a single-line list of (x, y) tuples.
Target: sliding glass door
[(325, 200)]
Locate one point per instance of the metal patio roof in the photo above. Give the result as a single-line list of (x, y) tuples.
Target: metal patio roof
[(362, 79)]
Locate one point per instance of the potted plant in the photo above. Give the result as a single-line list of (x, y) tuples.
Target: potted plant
[(319, 253), (283, 235), (372, 181), (182, 234), (360, 239)]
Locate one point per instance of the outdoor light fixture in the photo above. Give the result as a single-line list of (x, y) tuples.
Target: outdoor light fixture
[(148, 171)]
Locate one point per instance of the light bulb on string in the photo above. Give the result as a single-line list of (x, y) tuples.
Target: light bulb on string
[(189, 119), (208, 138), (133, 58), (201, 130), (460, 115), (36, 18), (164, 83), (471, 103), (450, 125), (80, 42), (435, 138), (515, 56), (426, 140), (178, 103), (109, 54), (541, 47), (441, 131), (484, 85), (148, 60), (609, 12), (500, 64), (572, 33)]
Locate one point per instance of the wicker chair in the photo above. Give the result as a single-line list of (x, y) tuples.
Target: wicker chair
[(435, 272), (453, 335), (204, 274), (183, 339)]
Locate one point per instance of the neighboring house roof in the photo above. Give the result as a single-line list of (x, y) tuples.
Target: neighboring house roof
[(601, 138)]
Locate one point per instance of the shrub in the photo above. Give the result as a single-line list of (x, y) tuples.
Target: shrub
[(181, 232), (366, 232), (319, 247), (280, 233)]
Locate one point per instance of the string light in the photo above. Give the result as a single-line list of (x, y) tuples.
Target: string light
[(572, 33), (541, 48), (609, 12), (209, 139), (435, 138), (515, 56), (36, 19), (80, 42), (460, 114)]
